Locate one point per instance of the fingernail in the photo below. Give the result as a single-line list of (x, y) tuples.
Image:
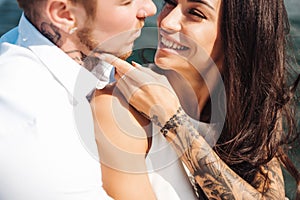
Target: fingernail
[(134, 63)]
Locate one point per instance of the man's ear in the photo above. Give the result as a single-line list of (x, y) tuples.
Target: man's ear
[(60, 14)]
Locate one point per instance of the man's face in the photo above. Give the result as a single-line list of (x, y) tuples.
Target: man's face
[(116, 25)]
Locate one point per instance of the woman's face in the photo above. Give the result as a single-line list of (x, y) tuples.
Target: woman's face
[(189, 35)]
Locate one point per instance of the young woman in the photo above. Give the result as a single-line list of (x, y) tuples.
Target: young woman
[(247, 42)]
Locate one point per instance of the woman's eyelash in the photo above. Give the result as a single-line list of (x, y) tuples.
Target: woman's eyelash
[(191, 11), (197, 13), (127, 2)]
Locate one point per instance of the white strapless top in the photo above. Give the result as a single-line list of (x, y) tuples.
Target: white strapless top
[(166, 168)]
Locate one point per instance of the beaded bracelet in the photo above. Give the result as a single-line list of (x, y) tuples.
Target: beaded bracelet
[(177, 119)]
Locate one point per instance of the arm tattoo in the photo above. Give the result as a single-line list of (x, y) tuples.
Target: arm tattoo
[(269, 181), (212, 174), (52, 33)]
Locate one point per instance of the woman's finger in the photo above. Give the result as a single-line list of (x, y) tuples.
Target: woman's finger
[(135, 64), (122, 66), (117, 76)]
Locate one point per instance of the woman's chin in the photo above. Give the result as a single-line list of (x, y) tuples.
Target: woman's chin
[(162, 61), (168, 61)]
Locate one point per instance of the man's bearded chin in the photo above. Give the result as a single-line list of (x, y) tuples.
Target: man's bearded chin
[(92, 45), (86, 39), (125, 56)]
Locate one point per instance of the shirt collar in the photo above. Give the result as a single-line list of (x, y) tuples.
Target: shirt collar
[(77, 80)]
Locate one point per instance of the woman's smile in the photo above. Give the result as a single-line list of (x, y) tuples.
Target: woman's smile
[(171, 44)]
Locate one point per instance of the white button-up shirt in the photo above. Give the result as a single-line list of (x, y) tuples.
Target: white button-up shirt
[(47, 146)]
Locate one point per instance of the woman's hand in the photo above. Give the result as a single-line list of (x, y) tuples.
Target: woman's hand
[(149, 92)]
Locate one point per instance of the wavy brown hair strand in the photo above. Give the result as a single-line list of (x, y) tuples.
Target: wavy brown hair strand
[(254, 39)]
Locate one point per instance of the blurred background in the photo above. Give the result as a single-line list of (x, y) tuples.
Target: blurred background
[(10, 14)]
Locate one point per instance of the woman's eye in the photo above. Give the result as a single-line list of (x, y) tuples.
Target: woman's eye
[(197, 13), (127, 2), (170, 2)]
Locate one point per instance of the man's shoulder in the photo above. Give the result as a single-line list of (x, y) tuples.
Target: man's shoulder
[(18, 64), (14, 57), (21, 70)]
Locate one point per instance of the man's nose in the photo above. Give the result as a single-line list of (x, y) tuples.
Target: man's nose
[(148, 9)]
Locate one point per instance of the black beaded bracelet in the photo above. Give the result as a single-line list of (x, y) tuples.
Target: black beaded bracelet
[(177, 119)]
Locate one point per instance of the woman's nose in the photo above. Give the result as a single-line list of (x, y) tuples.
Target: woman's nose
[(171, 21)]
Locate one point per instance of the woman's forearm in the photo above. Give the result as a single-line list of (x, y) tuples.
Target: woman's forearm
[(213, 175)]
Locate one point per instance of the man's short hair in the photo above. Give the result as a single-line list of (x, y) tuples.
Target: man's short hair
[(31, 7)]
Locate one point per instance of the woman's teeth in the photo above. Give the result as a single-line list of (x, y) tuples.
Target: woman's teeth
[(171, 44)]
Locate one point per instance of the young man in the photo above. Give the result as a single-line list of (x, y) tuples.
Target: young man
[(43, 88)]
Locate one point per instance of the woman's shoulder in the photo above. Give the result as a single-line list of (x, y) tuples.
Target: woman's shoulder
[(118, 121), (111, 99)]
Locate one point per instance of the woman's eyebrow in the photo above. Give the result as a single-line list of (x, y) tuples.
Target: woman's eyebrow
[(203, 2)]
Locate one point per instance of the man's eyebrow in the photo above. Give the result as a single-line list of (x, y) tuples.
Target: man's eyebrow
[(203, 2)]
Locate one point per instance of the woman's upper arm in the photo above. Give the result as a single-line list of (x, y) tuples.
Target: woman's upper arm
[(122, 145), (123, 185)]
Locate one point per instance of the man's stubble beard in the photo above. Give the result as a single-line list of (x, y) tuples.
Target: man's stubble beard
[(85, 38), (92, 45)]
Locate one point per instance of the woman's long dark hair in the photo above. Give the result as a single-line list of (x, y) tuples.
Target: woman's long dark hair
[(254, 34)]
